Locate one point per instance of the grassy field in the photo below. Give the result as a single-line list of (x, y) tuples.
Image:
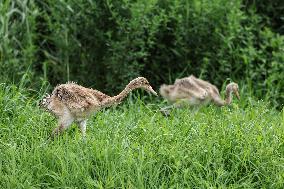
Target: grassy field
[(134, 146)]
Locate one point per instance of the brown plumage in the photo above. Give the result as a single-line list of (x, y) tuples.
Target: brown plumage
[(193, 91), (71, 102)]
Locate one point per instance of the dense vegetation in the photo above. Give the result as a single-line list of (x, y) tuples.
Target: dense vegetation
[(105, 43), (134, 146)]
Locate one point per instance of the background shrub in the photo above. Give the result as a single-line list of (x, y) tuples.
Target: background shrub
[(105, 43)]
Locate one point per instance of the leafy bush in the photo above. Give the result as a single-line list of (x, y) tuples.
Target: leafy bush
[(104, 44), (17, 37), (271, 12)]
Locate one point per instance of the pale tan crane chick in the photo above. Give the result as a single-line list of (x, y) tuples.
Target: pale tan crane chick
[(71, 102), (194, 92)]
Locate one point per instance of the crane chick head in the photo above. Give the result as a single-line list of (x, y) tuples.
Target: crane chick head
[(233, 87), (45, 101), (141, 82)]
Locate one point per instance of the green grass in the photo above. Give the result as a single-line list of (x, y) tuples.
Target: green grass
[(133, 146)]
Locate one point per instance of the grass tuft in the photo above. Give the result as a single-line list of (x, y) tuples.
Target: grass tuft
[(134, 146)]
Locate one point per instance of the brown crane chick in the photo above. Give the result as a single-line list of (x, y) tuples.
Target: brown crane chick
[(194, 92), (71, 102)]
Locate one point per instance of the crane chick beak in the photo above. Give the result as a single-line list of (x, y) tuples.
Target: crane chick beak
[(150, 89)]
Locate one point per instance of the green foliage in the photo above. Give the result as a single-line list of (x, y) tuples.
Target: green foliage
[(136, 147), (106, 43), (17, 35), (270, 11)]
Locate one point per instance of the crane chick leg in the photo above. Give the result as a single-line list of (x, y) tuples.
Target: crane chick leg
[(63, 123), (178, 104), (83, 127), (166, 110)]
